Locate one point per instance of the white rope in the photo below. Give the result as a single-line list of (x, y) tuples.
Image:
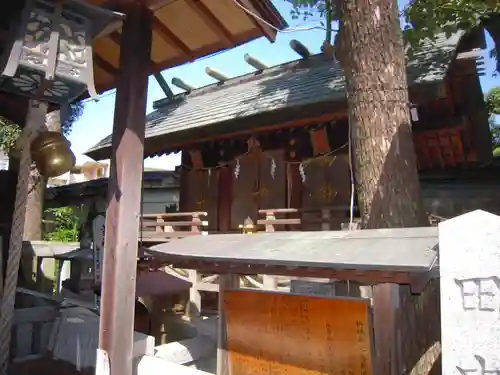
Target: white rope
[(34, 122), (288, 30)]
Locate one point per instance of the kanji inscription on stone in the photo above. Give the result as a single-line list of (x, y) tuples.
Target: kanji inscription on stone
[(469, 265)]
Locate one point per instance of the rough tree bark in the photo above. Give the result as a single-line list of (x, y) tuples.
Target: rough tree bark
[(371, 52), (370, 49)]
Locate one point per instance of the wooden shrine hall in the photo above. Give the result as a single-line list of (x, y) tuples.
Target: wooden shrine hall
[(56, 52), (272, 145)]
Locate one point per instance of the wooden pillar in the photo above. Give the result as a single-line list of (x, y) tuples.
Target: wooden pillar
[(124, 193), (228, 281), (385, 306)]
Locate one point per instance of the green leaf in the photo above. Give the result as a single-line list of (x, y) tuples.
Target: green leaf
[(9, 133), (493, 101), (66, 223)]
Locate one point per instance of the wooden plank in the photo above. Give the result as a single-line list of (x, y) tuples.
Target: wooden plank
[(175, 224), (313, 288), (174, 214), (314, 181), (386, 300), (211, 198), (297, 334), (390, 250), (194, 191), (159, 235), (272, 179), (264, 27), (337, 176), (278, 222), (212, 22), (225, 199), (226, 283), (194, 307), (244, 191), (279, 211), (170, 38)]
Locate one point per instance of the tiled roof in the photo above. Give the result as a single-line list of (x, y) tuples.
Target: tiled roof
[(289, 85)]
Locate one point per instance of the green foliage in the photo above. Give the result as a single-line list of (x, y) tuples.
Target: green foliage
[(493, 101), (304, 9), (424, 18), (9, 132), (66, 224)]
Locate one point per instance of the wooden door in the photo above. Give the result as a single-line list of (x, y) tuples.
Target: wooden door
[(201, 191), (272, 180), (245, 190), (327, 185)]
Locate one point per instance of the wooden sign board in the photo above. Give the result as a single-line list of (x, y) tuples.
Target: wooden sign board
[(274, 333), (313, 288)]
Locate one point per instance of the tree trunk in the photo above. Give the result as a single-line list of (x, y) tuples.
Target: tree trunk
[(370, 47), (492, 26)]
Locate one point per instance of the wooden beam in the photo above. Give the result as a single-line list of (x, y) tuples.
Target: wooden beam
[(124, 190), (212, 22), (169, 37), (227, 281), (263, 129), (151, 4), (249, 268), (116, 38), (269, 32), (385, 305), (164, 86), (105, 65)]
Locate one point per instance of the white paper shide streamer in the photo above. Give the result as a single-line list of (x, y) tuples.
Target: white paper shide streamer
[(302, 172), (237, 169), (273, 168)]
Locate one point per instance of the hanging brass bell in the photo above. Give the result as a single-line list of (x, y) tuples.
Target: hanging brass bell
[(52, 154)]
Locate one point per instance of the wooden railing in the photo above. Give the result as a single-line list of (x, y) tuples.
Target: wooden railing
[(325, 218), (163, 227), (270, 218)]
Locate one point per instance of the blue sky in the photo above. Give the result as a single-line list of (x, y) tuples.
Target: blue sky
[(97, 120)]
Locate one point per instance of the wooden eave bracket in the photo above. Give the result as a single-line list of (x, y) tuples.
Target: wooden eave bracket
[(416, 280)]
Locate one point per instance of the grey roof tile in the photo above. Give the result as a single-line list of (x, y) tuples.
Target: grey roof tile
[(292, 84), (390, 250)]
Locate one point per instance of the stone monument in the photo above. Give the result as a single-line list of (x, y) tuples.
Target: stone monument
[(469, 262)]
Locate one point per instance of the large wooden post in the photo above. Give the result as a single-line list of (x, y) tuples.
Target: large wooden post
[(122, 216), (34, 122)]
